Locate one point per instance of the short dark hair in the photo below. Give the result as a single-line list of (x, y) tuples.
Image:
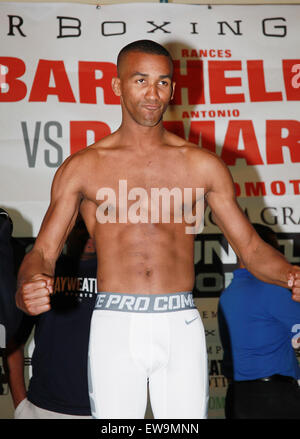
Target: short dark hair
[(266, 234), (145, 46)]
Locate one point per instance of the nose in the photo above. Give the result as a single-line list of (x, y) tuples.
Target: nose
[(152, 92)]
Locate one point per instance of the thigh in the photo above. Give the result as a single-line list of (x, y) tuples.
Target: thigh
[(180, 389), (117, 384)]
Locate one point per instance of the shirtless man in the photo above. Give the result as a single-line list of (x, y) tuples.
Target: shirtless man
[(145, 325)]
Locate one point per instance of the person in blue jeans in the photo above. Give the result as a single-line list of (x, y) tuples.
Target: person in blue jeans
[(257, 323)]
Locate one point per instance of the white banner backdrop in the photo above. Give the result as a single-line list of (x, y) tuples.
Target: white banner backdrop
[(237, 70), (238, 91)]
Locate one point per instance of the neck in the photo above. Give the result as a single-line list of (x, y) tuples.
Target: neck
[(132, 133)]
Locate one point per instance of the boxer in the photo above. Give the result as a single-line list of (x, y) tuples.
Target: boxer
[(144, 249)]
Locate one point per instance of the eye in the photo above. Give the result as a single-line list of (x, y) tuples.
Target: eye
[(141, 81), (164, 83)]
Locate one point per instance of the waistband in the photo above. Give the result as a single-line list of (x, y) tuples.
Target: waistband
[(272, 378), (150, 303)]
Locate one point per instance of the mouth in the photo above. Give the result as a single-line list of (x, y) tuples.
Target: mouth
[(150, 107)]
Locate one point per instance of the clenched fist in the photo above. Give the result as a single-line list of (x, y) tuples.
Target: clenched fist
[(294, 283), (33, 296)]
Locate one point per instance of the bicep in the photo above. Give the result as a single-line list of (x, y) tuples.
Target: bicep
[(226, 212), (61, 214)]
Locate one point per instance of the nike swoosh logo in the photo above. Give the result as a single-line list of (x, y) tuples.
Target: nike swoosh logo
[(188, 322)]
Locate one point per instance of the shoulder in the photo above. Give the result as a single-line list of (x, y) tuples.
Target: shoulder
[(201, 156), (212, 169), (87, 155), (194, 152), (204, 163), (77, 166), (84, 156)]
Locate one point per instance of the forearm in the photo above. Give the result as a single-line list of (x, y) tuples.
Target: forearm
[(261, 260), (267, 264), (35, 263)]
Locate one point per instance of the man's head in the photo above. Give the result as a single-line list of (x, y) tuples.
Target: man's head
[(144, 82), (144, 46)]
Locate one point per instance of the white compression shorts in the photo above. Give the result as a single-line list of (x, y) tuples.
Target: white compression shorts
[(136, 338)]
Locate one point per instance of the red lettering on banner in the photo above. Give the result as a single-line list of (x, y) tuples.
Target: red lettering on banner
[(205, 131), (192, 81), (218, 82), (296, 184), (88, 82), (291, 77), (278, 188), (255, 189), (276, 141), (16, 88), (204, 53), (257, 86), (230, 151), (78, 133), (40, 88), (261, 188)]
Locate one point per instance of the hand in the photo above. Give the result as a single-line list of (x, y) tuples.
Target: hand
[(33, 296), (294, 283)]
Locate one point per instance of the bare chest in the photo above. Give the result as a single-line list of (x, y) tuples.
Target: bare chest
[(146, 191), (144, 175)]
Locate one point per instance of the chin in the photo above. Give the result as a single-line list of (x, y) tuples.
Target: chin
[(150, 122)]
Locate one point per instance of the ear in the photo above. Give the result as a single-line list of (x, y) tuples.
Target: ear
[(116, 86), (173, 90)]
